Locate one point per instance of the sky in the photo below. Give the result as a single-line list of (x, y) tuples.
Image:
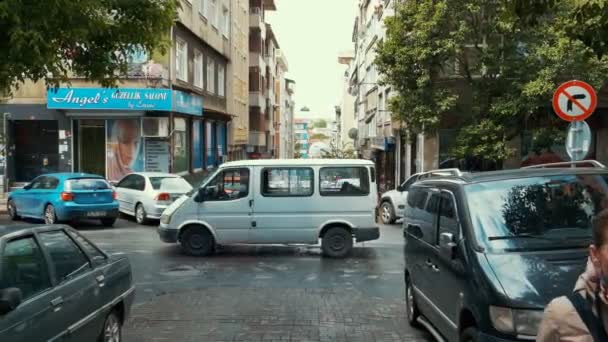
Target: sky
[(311, 34)]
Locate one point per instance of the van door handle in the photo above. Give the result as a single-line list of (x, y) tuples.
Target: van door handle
[(57, 301), (435, 268), (429, 263), (101, 280), (250, 203)]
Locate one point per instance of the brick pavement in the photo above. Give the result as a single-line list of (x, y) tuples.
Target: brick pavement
[(270, 314)]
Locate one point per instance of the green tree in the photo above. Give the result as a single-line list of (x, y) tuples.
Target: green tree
[(296, 150), (319, 136), (346, 151), (484, 64), (47, 40), (320, 123)]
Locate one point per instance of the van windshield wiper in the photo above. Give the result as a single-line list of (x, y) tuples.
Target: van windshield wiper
[(521, 236)]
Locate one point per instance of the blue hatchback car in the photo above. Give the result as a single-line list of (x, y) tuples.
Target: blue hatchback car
[(60, 197)]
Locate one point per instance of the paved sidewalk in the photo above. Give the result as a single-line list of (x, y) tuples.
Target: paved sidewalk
[(270, 314)]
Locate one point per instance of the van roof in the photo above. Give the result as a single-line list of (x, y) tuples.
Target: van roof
[(298, 162)]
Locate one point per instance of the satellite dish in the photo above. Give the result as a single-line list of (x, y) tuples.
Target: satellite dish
[(353, 133)]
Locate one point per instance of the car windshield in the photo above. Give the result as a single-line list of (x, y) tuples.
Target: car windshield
[(170, 184), (86, 184), (536, 213)]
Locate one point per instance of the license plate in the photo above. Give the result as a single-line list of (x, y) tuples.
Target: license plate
[(96, 213)]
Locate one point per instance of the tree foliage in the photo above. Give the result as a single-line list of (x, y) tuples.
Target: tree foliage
[(491, 67), (335, 151), (319, 136), (47, 40), (319, 123)]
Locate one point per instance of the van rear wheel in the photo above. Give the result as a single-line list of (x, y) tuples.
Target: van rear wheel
[(197, 241), (337, 242)]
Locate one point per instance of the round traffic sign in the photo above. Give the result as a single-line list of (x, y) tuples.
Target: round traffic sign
[(574, 101), (578, 140)]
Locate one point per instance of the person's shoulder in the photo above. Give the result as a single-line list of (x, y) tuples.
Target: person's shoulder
[(562, 311)]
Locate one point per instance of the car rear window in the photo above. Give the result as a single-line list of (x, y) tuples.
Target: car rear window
[(170, 184), (86, 184)]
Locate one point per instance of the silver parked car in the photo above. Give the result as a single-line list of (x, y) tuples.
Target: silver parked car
[(392, 203), (146, 195)]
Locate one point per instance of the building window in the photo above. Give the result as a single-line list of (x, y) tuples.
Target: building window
[(221, 76), (181, 60), (225, 22), (213, 12), (198, 69), (210, 76), (344, 181), (204, 9), (287, 182)]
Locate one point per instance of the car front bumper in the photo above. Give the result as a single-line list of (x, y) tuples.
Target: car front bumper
[(366, 234), (167, 234)]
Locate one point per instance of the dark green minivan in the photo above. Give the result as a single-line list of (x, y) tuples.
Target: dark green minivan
[(486, 252), (55, 285)]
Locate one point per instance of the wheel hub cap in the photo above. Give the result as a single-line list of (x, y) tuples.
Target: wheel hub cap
[(112, 331), (410, 301), (140, 213), (197, 241), (337, 243), (386, 215), (49, 216)]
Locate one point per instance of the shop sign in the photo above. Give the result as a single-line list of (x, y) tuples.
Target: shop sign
[(157, 155), (140, 99), (187, 103), (378, 143)]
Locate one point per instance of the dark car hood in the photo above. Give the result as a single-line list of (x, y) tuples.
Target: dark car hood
[(532, 279)]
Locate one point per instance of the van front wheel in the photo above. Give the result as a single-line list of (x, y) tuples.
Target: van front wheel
[(197, 241), (337, 242)]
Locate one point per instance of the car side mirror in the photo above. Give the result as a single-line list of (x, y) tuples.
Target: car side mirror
[(28, 186), (200, 195), (447, 245), (414, 231), (10, 298)]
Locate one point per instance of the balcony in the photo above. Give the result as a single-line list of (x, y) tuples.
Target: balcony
[(257, 99), (257, 138), (256, 17), (257, 60)]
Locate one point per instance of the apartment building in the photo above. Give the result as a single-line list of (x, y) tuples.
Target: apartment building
[(238, 83), (287, 124), (173, 109), (263, 53), (377, 136), (345, 111), (302, 132)]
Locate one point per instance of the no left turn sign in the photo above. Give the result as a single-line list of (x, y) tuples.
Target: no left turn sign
[(574, 101)]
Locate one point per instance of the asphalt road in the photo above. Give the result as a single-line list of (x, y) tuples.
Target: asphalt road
[(261, 293)]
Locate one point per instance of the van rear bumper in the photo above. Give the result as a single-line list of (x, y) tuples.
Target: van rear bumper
[(366, 234)]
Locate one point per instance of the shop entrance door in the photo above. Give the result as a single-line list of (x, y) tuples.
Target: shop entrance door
[(36, 148), (92, 146)]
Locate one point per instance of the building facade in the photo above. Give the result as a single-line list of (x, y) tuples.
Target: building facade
[(169, 114), (377, 137), (302, 130), (261, 82), (238, 83), (345, 111), (287, 124)]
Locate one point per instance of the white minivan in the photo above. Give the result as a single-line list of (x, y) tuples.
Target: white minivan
[(277, 202)]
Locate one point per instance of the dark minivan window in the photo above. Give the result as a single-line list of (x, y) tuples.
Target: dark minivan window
[(538, 212)]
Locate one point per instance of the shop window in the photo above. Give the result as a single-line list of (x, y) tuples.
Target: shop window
[(180, 146), (156, 127)]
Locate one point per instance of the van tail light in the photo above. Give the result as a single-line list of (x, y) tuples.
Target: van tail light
[(67, 196), (114, 195), (163, 197)]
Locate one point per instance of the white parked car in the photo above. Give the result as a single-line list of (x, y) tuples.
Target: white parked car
[(392, 203), (242, 203), (146, 195)]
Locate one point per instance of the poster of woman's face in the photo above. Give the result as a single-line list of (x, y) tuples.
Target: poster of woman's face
[(124, 148)]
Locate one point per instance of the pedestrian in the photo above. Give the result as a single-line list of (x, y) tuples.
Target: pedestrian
[(582, 316)]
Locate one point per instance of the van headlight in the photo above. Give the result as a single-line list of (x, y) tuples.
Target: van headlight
[(165, 218), (512, 321)]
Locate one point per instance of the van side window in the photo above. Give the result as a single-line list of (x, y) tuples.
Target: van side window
[(433, 204), (448, 222), (287, 182), (228, 185), (420, 199), (344, 181)]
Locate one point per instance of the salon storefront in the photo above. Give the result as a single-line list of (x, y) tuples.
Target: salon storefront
[(118, 131)]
